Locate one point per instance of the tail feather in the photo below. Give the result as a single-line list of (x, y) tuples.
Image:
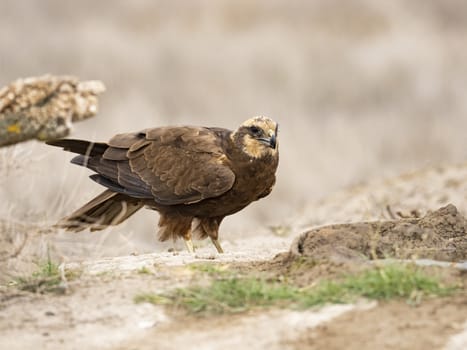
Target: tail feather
[(83, 147), (108, 208)]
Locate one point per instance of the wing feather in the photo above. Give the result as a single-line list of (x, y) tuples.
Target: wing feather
[(173, 165), (181, 165), (113, 153), (126, 140)]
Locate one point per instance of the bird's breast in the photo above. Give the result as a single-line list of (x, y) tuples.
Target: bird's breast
[(252, 181)]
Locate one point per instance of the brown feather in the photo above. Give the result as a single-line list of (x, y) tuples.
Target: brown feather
[(206, 227), (172, 225), (108, 208), (126, 140), (113, 153)]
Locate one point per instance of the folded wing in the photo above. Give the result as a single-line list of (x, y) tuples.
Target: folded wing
[(172, 165)]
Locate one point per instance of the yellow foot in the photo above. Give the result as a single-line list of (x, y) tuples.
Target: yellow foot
[(217, 245), (189, 246)]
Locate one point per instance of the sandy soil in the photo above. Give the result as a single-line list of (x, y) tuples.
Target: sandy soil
[(404, 327), (97, 311)]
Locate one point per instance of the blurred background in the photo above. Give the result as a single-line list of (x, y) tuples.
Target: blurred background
[(361, 89)]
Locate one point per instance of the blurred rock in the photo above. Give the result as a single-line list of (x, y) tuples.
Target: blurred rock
[(44, 107), (440, 235)]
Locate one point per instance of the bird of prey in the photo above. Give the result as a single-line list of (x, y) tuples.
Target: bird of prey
[(193, 176)]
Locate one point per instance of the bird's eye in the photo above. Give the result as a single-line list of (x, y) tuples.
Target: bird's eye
[(255, 130)]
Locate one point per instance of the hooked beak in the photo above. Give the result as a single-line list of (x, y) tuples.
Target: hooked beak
[(271, 141), (273, 135)]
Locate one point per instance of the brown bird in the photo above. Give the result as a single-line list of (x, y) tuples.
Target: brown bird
[(193, 176)]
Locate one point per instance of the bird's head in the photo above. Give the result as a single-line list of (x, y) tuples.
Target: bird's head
[(257, 137)]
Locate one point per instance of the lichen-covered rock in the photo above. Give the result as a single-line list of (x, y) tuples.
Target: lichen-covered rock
[(44, 107)]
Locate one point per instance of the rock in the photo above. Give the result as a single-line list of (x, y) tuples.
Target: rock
[(439, 235)]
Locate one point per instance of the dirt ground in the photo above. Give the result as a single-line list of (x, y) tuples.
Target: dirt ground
[(97, 310), (404, 327)]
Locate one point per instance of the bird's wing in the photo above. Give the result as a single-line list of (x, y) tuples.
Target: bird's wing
[(173, 165)]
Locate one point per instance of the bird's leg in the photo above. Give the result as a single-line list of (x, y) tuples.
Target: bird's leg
[(189, 246), (212, 230), (208, 227), (189, 242), (217, 245)]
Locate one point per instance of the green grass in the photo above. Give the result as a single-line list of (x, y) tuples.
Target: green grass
[(211, 269), (151, 298), (231, 295), (388, 282), (47, 279), (144, 271)]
